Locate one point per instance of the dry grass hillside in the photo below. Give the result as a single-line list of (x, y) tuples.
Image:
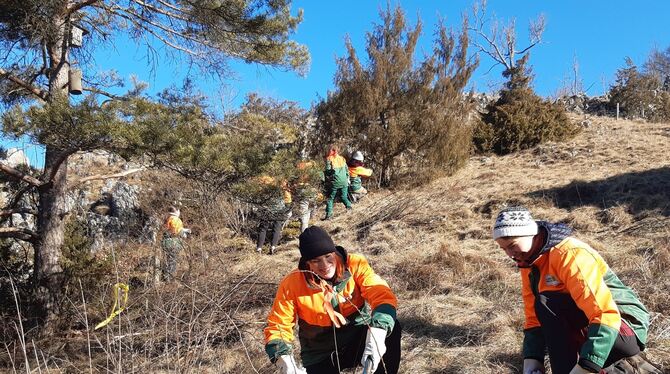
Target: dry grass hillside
[(459, 296)]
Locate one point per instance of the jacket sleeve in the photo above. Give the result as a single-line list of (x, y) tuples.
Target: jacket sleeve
[(378, 294), (364, 172), (533, 338), (583, 273), (281, 320)]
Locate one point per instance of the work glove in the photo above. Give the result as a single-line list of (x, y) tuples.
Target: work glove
[(375, 347), (532, 366), (287, 365), (579, 370)]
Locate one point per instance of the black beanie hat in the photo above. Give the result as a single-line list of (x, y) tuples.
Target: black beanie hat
[(315, 242)]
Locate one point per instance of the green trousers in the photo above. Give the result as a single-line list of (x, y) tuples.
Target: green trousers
[(344, 194)]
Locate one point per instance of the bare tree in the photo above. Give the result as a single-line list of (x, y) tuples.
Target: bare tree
[(498, 39)]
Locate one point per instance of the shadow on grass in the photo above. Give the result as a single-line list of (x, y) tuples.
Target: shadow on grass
[(449, 334), (499, 363), (640, 191)]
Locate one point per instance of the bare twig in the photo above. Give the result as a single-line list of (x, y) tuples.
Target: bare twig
[(18, 175), (103, 177)]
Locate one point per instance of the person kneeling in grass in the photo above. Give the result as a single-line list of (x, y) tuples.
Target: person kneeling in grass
[(345, 312), (576, 308)]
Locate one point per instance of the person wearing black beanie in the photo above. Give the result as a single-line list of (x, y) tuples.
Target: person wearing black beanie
[(344, 310)]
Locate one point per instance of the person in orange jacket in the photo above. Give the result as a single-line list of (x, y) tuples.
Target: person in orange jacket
[(575, 306), (356, 171), (172, 242), (345, 311), (337, 180)]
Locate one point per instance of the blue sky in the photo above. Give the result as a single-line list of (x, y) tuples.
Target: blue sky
[(599, 34)]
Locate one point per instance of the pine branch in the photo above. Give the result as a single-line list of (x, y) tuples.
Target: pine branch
[(41, 94)]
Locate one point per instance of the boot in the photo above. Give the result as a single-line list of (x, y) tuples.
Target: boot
[(632, 365)]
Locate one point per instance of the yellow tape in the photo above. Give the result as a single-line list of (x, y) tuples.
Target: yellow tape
[(118, 307)]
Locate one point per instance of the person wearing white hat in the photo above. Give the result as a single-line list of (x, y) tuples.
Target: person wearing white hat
[(575, 306), (356, 171)]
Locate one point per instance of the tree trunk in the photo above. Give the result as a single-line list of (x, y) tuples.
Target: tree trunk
[(51, 210), (50, 229)]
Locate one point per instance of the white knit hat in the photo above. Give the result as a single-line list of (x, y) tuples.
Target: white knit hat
[(514, 221)]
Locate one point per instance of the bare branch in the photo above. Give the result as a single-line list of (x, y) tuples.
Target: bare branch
[(104, 93), (9, 212), (103, 177), (162, 11), (41, 94), (18, 233), (76, 6), (18, 175), (503, 50)]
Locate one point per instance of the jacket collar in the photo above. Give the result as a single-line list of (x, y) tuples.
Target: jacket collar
[(556, 233)]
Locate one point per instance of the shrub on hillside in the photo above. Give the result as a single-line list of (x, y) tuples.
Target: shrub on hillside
[(405, 116), (520, 119), (639, 94)]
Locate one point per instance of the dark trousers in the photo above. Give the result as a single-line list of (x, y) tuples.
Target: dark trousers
[(350, 355), (276, 232), (564, 327)]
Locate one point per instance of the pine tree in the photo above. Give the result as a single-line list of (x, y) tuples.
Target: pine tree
[(42, 59), (403, 115)]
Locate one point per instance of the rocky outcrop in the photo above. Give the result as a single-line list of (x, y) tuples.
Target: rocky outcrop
[(15, 157), (582, 104), (116, 216)]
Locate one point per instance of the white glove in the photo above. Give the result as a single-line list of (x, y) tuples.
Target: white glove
[(579, 370), (532, 366), (287, 365), (185, 232), (375, 347)]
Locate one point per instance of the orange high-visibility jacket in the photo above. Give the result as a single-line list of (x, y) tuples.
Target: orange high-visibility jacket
[(574, 268), (174, 225), (297, 302)]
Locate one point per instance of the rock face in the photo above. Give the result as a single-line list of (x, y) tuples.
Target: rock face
[(117, 217), (582, 104), (15, 157)]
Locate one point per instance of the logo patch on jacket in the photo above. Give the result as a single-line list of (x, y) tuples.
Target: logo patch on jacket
[(551, 280)]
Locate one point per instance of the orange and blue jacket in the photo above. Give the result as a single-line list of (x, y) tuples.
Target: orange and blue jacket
[(337, 172), (568, 265), (363, 298)]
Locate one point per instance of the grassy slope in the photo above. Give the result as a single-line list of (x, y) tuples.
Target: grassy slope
[(459, 296)]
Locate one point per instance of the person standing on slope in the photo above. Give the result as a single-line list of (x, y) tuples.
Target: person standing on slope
[(576, 308), (346, 313), (172, 242), (356, 171), (337, 180), (274, 212)]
